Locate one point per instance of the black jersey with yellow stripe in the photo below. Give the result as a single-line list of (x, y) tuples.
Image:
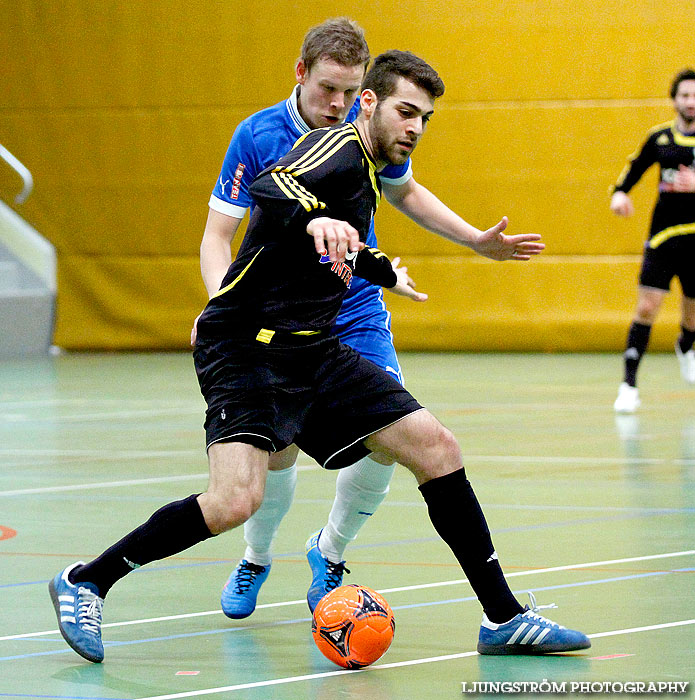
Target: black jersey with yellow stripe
[(674, 213), (278, 280)]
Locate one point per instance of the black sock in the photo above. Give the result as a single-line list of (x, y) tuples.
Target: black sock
[(458, 519), (173, 528), (637, 342), (686, 340)]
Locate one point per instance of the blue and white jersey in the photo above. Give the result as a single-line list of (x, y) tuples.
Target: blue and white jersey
[(259, 141)]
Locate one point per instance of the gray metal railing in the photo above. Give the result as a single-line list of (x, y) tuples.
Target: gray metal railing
[(22, 171)]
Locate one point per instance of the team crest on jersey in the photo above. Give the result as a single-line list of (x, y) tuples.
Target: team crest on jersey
[(662, 140)]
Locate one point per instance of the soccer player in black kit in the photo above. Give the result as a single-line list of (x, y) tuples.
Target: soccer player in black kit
[(670, 248), (272, 374)]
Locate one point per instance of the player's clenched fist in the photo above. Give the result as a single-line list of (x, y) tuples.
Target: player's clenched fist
[(335, 236)]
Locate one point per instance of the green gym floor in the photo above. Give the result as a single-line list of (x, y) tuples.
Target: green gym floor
[(590, 512)]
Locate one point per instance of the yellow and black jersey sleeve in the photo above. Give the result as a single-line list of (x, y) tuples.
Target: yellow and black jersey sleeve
[(291, 189), (375, 267), (639, 162)]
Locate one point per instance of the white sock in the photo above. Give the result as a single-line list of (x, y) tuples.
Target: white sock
[(260, 528), (359, 490)]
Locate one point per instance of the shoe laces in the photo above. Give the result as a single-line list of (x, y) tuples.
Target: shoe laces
[(533, 608), (334, 574), (246, 576), (89, 609)]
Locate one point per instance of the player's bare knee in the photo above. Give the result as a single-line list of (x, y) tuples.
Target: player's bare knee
[(440, 453), (225, 514), (449, 450)]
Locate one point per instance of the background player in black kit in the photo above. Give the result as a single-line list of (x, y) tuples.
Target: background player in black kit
[(670, 249), (272, 374)]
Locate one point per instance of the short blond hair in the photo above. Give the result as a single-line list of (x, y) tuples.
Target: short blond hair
[(338, 39)]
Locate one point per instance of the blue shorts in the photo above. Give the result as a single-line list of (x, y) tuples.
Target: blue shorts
[(364, 324)]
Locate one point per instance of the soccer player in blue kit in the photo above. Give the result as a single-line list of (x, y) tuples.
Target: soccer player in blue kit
[(333, 61)]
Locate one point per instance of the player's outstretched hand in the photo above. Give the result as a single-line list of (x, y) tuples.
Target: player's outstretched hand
[(496, 245), (405, 285), (334, 237)]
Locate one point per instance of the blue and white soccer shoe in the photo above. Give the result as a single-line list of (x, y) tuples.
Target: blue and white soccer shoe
[(529, 633), (240, 593), (326, 575), (78, 608)]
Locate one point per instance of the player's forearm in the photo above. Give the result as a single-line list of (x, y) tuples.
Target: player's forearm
[(215, 259), (375, 267), (427, 210), (215, 248)]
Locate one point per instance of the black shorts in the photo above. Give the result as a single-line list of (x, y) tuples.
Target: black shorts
[(674, 257), (321, 395)]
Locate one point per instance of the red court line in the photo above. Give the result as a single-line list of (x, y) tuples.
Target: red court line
[(610, 656)]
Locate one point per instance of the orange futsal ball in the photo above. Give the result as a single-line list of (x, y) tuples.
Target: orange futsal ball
[(353, 626)]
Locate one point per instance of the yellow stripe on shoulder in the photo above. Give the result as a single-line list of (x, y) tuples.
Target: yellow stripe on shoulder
[(661, 127), (324, 155), (682, 139), (315, 155), (327, 138), (293, 190)]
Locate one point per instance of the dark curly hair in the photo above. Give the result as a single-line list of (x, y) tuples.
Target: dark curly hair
[(685, 74), (383, 76)]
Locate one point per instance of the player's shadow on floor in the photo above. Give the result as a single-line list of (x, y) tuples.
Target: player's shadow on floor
[(551, 667), (96, 675)]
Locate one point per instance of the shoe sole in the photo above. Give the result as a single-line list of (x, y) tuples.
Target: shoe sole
[(528, 649), (237, 616), (56, 607)]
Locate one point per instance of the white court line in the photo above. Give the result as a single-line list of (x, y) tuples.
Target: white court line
[(27, 451), (381, 667), (168, 454), (104, 485), (545, 459), (97, 417), (127, 482), (421, 586), (519, 459)]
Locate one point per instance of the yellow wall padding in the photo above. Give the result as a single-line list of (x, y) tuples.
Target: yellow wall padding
[(123, 112), (558, 303)]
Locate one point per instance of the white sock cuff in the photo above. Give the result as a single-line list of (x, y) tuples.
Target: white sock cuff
[(369, 475), (281, 478)]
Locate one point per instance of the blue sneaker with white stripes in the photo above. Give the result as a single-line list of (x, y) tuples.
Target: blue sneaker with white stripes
[(529, 633), (78, 608), (240, 593), (326, 575)]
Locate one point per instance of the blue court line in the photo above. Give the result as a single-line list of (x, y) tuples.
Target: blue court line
[(227, 630), (165, 638), (396, 543), (549, 588)]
